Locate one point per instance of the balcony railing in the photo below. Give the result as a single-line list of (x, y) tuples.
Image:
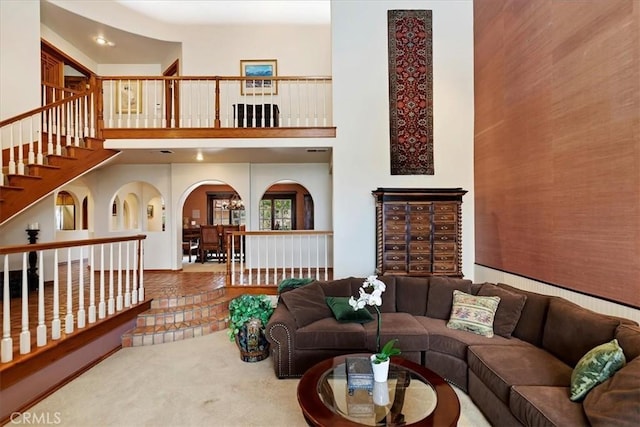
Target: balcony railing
[(138, 102), (107, 277), (268, 257)]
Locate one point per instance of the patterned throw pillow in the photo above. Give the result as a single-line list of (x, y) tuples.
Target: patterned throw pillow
[(595, 367), (473, 313)]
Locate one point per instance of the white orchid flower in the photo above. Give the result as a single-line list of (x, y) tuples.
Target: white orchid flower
[(376, 297)]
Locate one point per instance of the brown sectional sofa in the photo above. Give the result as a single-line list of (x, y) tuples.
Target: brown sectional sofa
[(520, 376)]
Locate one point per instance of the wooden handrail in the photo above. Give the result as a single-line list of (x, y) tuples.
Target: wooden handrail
[(41, 109), (11, 249)]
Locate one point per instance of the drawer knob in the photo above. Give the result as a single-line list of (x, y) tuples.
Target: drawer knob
[(419, 238), (420, 258), (444, 227), (444, 238), (396, 248)]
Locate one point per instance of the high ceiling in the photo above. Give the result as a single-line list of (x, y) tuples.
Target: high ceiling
[(135, 49)]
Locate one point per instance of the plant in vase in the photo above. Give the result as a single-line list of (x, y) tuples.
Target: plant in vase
[(248, 316), (371, 294)]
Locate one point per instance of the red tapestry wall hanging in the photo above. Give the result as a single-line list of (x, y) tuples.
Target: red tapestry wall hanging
[(410, 92)]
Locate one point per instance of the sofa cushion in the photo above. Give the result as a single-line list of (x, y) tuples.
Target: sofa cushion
[(546, 406), (328, 333), (292, 283), (338, 287), (617, 400), (597, 366), (454, 342), (571, 331), (473, 313), (441, 295), (628, 337), (500, 367), (509, 309), (530, 327), (411, 295), (343, 312), (306, 304), (410, 333)]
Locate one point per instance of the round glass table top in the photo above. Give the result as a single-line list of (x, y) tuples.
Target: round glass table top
[(404, 398), (412, 396)]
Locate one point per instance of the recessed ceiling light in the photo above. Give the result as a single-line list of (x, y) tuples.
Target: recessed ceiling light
[(104, 42), (199, 156)]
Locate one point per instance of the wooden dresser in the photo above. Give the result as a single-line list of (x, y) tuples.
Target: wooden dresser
[(419, 231)]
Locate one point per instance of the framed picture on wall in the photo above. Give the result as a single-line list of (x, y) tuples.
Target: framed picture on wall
[(149, 211), (258, 69), (128, 97)]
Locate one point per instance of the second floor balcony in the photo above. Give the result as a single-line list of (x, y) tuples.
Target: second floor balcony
[(214, 107)]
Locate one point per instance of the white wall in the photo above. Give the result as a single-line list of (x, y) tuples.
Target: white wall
[(19, 45), (361, 114)]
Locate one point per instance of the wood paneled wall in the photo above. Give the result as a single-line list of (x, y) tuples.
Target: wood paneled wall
[(557, 143)]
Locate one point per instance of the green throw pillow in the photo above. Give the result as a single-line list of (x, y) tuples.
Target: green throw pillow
[(293, 282), (344, 313), (473, 313), (595, 367)]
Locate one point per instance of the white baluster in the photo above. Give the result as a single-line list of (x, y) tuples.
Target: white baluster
[(25, 335), (68, 320), (41, 330), (20, 150), (31, 157), (92, 118), (119, 298), (39, 158), (101, 305), (111, 302), (50, 131), (134, 293), (58, 130), (82, 317), (127, 290), (12, 160), (141, 287), (6, 347), (55, 322), (92, 288)]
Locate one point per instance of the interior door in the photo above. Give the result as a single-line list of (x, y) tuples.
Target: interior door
[(52, 73)]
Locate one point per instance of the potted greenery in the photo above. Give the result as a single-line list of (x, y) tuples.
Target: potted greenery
[(248, 316), (380, 360)]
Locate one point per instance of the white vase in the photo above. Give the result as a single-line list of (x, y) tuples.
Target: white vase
[(381, 393), (380, 370)]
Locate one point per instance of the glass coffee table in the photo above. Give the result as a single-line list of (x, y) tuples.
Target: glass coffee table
[(412, 396)]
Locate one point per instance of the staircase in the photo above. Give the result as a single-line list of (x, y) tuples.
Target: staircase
[(39, 180), (177, 318)]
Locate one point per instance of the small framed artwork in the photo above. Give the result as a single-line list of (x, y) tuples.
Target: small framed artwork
[(128, 97), (259, 68), (149, 211)]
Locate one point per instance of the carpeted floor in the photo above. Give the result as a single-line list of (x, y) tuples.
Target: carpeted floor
[(195, 382)]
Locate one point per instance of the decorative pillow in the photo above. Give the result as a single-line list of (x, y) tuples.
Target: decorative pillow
[(441, 295), (293, 282), (344, 313), (306, 304), (595, 367), (509, 309), (473, 313)]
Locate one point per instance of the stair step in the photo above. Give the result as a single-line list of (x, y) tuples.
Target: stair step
[(177, 318), (38, 170)]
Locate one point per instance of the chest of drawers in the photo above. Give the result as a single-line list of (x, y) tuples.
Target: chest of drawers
[(419, 231)]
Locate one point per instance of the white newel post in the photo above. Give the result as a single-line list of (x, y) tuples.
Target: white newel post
[(127, 289)]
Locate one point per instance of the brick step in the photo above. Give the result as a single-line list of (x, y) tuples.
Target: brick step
[(178, 318)]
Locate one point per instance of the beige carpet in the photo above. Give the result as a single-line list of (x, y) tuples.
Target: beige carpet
[(195, 382)]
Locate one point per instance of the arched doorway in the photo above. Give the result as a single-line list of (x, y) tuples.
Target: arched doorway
[(286, 205)]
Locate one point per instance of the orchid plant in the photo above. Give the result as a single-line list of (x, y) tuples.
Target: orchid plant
[(370, 294)]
